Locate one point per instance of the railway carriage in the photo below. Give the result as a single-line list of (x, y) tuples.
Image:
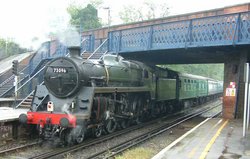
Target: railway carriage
[(198, 88), (86, 96), (192, 86)]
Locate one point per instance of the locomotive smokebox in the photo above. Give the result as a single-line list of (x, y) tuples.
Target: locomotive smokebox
[(74, 51)]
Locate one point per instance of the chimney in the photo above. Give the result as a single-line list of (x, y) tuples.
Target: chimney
[(74, 51)]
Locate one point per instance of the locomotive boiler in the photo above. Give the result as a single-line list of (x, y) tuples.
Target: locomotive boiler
[(81, 97)]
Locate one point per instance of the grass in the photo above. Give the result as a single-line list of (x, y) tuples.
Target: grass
[(137, 153)]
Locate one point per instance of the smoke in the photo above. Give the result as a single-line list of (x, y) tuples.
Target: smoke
[(69, 36), (65, 108), (34, 18), (43, 49)]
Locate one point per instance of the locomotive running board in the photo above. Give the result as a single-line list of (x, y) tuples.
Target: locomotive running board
[(120, 89)]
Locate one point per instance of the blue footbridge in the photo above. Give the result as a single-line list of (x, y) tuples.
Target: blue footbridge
[(32, 74), (199, 40)]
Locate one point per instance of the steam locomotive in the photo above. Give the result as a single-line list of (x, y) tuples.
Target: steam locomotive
[(82, 96)]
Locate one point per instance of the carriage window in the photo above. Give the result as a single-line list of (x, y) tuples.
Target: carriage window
[(145, 74)]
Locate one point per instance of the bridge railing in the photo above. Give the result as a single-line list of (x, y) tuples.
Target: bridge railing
[(87, 43), (230, 29), (29, 85), (50, 49), (101, 49)]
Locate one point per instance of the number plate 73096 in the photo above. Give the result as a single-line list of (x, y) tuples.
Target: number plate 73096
[(59, 70)]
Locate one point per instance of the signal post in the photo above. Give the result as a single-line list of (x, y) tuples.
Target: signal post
[(15, 72)]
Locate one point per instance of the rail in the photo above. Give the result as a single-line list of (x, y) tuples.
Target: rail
[(98, 48), (21, 82), (7, 92), (103, 54), (119, 148), (24, 85), (7, 80), (31, 78), (12, 77), (5, 74), (18, 148), (93, 142), (87, 44), (27, 96), (47, 51)]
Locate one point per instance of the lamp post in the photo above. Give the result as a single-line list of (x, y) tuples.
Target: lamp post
[(6, 46), (109, 17), (109, 22)]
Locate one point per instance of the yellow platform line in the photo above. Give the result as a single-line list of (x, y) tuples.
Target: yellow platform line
[(209, 145), (163, 151), (191, 154)]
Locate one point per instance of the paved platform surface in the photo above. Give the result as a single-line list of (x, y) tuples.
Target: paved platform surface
[(6, 64), (214, 139), (9, 114), (7, 99)]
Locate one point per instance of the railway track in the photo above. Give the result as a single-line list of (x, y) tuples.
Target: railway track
[(123, 146), (80, 146), (115, 150), (92, 142), (3, 152)]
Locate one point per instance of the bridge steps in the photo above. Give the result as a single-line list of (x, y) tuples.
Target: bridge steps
[(27, 102), (8, 80), (6, 87), (95, 56)]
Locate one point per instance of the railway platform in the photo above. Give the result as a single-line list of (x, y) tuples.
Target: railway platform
[(6, 64), (9, 124), (214, 138), (9, 114), (8, 102)]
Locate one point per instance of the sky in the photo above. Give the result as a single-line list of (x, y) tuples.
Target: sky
[(29, 22)]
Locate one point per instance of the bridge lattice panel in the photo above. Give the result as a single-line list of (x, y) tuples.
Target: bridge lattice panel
[(224, 30)]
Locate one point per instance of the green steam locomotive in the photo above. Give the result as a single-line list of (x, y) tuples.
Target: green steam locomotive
[(96, 96)]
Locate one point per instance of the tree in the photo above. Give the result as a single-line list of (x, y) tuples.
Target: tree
[(11, 47), (148, 10), (96, 3), (85, 17), (130, 14)]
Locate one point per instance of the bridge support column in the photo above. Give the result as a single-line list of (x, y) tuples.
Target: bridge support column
[(233, 99)]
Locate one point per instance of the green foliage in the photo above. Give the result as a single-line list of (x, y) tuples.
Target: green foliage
[(130, 14), (11, 48), (85, 17), (150, 9), (137, 153), (96, 3), (215, 71)]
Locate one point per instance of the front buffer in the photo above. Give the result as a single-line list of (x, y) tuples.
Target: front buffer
[(53, 125), (48, 118)]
